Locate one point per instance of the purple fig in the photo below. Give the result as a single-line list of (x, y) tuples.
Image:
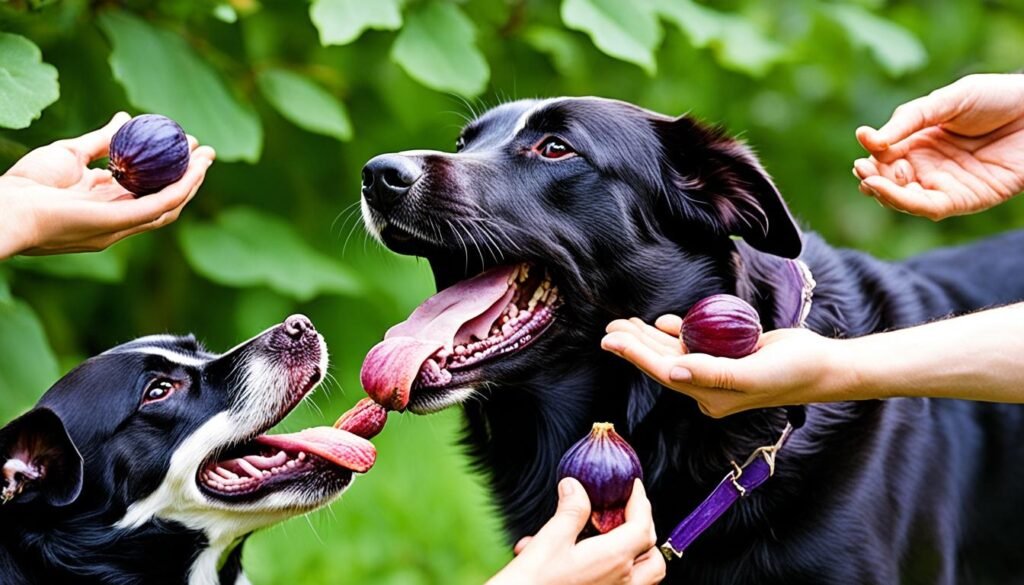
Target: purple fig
[(148, 153), (723, 326), (606, 465)]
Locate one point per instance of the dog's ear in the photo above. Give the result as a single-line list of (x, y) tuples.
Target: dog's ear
[(716, 181), (39, 461)]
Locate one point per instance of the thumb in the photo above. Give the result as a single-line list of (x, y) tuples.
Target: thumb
[(571, 516), (96, 144)]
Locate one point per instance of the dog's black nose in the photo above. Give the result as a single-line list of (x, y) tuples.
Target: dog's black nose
[(386, 178), (297, 325)]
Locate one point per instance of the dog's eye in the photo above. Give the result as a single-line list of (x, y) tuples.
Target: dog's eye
[(460, 144), (554, 147), (158, 389)]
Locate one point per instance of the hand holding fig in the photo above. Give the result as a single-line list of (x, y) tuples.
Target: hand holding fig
[(607, 466)]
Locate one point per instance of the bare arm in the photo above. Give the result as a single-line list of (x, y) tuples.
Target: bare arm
[(974, 357)]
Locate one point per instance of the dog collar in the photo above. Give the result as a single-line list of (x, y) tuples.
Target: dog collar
[(736, 484), (790, 281)]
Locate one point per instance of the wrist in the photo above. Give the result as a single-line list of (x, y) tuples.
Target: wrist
[(844, 378), (16, 221)]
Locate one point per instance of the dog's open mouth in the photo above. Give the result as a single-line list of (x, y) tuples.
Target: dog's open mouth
[(427, 362), (271, 463)]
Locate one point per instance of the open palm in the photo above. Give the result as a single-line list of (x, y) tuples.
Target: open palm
[(943, 174), (958, 150)]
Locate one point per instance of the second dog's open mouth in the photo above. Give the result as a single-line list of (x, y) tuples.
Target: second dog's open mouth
[(426, 362), (271, 463)]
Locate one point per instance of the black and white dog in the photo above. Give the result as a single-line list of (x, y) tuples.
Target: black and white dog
[(556, 216), (147, 464)]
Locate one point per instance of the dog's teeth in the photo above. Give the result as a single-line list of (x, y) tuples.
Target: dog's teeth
[(226, 474), (302, 456), (250, 469)]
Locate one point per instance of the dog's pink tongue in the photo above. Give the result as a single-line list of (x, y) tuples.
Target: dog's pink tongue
[(452, 316), (339, 447)]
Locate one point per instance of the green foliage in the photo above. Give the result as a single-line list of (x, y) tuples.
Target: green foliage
[(436, 47), (304, 103), (161, 73), (280, 88), (27, 85), (893, 46), (247, 248), (27, 365), (342, 21), (626, 30)]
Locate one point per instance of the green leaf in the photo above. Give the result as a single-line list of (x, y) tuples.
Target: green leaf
[(107, 266), (27, 84), (305, 104), (342, 21), (161, 73), (245, 247), (437, 48), (27, 364), (562, 47), (737, 43), (895, 48), (625, 30)]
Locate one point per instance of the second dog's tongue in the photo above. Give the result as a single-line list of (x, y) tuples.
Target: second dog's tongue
[(464, 310), (339, 447)]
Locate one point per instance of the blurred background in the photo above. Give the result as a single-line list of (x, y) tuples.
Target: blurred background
[(296, 96)]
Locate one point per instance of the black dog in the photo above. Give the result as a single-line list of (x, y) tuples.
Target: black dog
[(147, 464), (618, 211)]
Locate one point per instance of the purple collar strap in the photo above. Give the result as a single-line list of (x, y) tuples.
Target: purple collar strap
[(736, 484), (792, 288)]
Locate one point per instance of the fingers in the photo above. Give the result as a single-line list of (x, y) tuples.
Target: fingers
[(628, 346), (648, 569), (670, 324), (125, 217), (636, 535), (571, 516), (522, 544), (96, 144), (915, 115)]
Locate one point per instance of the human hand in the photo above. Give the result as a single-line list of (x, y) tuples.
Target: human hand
[(51, 202), (790, 366), (622, 556), (956, 151)]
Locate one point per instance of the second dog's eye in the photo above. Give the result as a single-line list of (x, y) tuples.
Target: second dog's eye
[(460, 144), (158, 389), (554, 147)]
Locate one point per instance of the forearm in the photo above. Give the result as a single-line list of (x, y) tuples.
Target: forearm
[(975, 357)]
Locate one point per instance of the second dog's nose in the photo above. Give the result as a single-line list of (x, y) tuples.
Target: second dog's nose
[(386, 178), (297, 325)]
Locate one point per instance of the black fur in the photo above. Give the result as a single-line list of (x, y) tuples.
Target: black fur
[(638, 224)]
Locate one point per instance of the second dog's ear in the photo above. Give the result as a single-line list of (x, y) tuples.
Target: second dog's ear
[(717, 181), (39, 461)]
